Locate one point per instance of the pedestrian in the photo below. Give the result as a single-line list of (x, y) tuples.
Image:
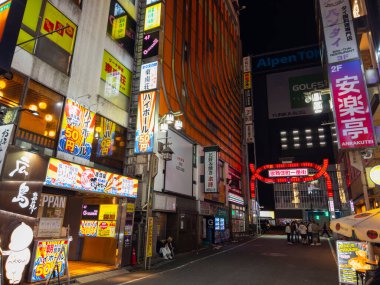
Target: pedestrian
[(309, 233), (167, 250), (303, 232), (288, 232), (315, 233), (298, 232), (293, 229), (325, 230)]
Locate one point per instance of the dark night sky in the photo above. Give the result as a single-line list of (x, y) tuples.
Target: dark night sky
[(270, 25)]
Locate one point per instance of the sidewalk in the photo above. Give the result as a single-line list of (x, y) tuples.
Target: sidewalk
[(157, 262)]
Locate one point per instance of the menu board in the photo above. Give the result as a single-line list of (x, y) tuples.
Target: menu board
[(106, 228), (46, 254), (351, 255), (88, 228)]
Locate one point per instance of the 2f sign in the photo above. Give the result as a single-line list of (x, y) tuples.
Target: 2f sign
[(336, 68)]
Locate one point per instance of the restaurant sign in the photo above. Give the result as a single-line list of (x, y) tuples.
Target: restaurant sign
[(78, 177), (211, 170), (351, 108)]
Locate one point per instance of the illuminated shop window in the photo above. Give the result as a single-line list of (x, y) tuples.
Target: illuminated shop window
[(39, 131)]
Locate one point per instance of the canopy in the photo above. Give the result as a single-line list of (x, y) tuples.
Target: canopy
[(366, 226)]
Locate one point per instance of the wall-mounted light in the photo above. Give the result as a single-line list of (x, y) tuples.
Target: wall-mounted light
[(167, 153), (170, 118)]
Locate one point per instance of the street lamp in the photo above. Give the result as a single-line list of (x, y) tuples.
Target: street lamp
[(168, 119), (167, 153)]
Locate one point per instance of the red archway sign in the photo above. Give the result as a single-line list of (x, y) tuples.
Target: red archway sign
[(321, 171)]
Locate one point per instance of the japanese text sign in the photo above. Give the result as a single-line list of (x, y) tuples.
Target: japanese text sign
[(47, 253), (54, 20), (352, 114), (338, 30), (211, 166), (118, 78), (152, 17), (78, 177), (144, 141), (5, 136), (247, 80), (88, 228), (288, 172), (148, 79), (77, 131), (150, 45)]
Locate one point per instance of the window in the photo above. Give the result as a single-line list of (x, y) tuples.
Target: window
[(56, 49), (108, 146)]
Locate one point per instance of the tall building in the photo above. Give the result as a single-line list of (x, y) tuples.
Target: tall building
[(187, 148), (88, 155), (349, 37)]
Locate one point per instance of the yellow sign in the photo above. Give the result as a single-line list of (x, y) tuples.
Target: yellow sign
[(108, 212), (130, 207), (152, 17), (119, 26), (88, 228), (54, 20), (121, 76), (149, 246), (106, 228), (247, 80), (374, 174)]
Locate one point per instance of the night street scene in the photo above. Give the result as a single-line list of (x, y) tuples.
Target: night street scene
[(190, 142)]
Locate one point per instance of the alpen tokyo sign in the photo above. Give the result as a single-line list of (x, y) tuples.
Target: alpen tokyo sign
[(352, 115)]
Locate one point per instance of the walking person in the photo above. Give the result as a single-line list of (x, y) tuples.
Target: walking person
[(309, 233), (315, 233), (288, 232), (325, 230), (293, 229), (303, 232)]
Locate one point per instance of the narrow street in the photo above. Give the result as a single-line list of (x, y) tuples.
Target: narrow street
[(265, 260)]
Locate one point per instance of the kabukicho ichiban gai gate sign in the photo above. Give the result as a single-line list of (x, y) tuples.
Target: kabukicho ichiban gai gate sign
[(293, 173)]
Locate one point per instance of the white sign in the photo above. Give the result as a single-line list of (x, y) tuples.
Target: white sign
[(148, 79), (49, 227), (331, 205), (247, 64), (248, 115), (5, 135), (211, 165), (288, 172), (339, 31)]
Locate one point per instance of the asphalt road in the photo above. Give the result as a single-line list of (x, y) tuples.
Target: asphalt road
[(265, 260)]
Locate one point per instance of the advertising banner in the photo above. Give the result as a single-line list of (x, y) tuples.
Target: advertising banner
[(148, 79), (77, 130), (338, 30), (211, 171), (118, 78), (152, 17), (144, 142), (247, 81), (106, 133), (54, 20), (106, 229), (4, 12), (351, 255), (90, 212), (78, 177), (149, 246), (88, 228), (351, 108), (47, 254)]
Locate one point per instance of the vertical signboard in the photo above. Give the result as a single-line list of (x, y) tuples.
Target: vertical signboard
[(338, 30), (106, 139), (352, 113), (77, 130), (144, 141), (149, 245), (152, 17), (150, 45), (211, 169), (148, 79), (5, 136)]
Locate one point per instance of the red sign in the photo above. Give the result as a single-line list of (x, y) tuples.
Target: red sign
[(352, 113)]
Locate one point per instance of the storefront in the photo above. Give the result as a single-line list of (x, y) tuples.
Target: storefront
[(74, 214), (236, 202)]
